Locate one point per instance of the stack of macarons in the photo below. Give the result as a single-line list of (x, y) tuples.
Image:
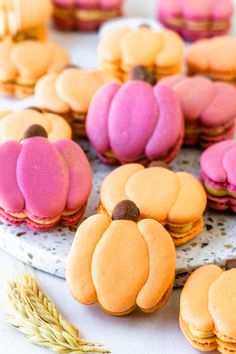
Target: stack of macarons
[(70, 92), (24, 19), (23, 63), (195, 19), (85, 15)]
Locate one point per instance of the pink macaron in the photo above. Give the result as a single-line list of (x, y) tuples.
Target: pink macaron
[(218, 174), (138, 121), (85, 15), (208, 107), (196, 19), (43, 183)]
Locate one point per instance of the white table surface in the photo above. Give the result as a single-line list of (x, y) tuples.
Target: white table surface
[(138, 333)]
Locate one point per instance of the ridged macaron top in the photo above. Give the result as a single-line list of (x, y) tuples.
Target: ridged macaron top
[(210, 103), (14, 124), (72, 89), (197, 10), (218, 164), (164, 48), (158, 192), (42, 179), (27, 61), (134, 119)]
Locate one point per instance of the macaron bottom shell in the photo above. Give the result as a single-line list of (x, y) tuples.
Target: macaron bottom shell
[(68, 219)]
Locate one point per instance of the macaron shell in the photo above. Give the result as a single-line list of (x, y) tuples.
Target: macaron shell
[(197, 55), (169, 126), (109, 48), (71, 84), (120, 261), (59, 57), (78, 269), (31, 59), (42, 199), (221, 108), (98, 115), (172, 51), (215, 170), (194, 298), (192, 194), (14, 124), (161, 252), (110, 196), (128, 131), (12, 199), (46, 94), (195, 94), (222, 305), (80, 174), (151, 43), (159, 190), (60, 129)]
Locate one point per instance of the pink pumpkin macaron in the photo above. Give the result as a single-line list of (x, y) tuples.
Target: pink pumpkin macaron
[(218, 174), (138, 121), (196, 19), (43, 183), (85, 15), (209, 108)]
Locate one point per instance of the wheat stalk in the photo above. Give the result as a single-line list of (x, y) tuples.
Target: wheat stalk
[(30, 311)]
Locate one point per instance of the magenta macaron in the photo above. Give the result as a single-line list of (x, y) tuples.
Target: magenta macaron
[(218, 174), (196, 19), (209, 108), (85, 15), (138, 121), (43, 183)]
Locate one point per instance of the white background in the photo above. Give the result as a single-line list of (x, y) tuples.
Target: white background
[(138, 333)]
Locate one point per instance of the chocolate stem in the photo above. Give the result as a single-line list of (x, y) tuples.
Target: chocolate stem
[(142, 73), (126, 210)]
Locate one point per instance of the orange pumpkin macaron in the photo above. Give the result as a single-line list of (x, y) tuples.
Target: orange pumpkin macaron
[(176, 200), (208, 308), (121, 263)]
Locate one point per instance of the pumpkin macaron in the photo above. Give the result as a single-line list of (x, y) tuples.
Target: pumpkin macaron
[(208, 308), (14, 124), (43, 183), (139, 121), (177, 200), (121, 263)]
